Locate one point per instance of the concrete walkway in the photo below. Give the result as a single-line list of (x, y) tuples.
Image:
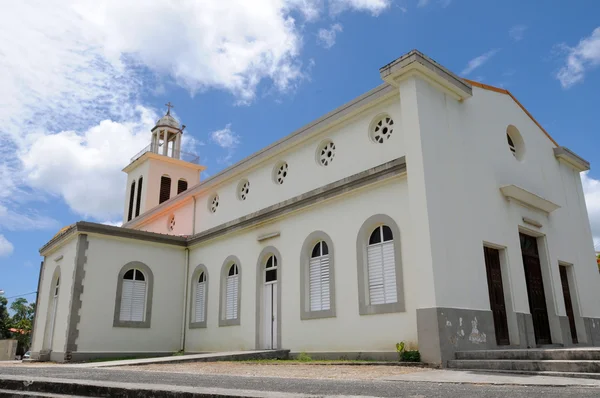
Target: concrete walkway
[(482, 377), (208, 357)]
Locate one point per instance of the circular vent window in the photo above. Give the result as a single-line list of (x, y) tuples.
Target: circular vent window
[(213, 203), (280, 172), (326, 153), (381, 129), (515, 142), (243, 189)]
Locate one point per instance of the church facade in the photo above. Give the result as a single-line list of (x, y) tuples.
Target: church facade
[(431, 210)]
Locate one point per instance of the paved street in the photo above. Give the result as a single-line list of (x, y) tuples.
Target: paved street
[(378, 388)]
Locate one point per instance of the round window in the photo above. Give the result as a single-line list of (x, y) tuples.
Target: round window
[(213, 203), (243, 189), (381, 129), (326, 153), (280, 172), (515, 142)]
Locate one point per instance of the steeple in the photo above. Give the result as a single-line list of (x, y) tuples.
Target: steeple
[(166, 135)]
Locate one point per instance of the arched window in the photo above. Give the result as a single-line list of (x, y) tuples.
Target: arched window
[(231, 311), (317, 288), (319, 278), (182, 185), (133, 304), (131, 195), (165, 189), (379, 266), (200, 315), (229, 306), (52, 309), (139, 197), (133, 296)]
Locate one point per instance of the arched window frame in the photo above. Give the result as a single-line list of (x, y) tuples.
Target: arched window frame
[(182, 185), (149, 277), (138, 200), (305, 256), (165, 186), (229, 261), (362, 241), (194, 290), (263, 257), (50, 322), (131, 201)]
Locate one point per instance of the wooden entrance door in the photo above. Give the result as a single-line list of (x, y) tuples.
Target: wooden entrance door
[(535, 289), (496, 290), (568, 303)]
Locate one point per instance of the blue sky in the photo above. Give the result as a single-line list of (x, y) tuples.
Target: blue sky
[(84, 81)]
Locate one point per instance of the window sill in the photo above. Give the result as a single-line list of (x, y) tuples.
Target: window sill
[(229, 322), (381, 308), (198, 325), (131, 324), (308, 315)]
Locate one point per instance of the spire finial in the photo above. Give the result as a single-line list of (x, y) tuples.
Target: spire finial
[(169, 106)]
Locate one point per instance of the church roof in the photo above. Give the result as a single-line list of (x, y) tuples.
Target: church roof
[(168, 120)]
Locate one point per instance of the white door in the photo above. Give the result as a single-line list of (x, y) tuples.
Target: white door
[(269, 318), (50, 329)]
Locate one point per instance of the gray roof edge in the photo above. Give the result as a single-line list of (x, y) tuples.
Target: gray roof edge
[(417, 56), (573, 157)]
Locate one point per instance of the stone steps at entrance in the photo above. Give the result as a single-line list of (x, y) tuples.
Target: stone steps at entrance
[(580, 366), (575, 354)]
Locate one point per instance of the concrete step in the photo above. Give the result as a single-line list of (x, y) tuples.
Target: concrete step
[(575, 375), (578, 366), (575, 354), (33, 394)]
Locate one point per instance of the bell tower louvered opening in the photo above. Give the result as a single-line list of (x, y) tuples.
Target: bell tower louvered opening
[(131, 194), (182, 185), (165, 189), (139, 197)]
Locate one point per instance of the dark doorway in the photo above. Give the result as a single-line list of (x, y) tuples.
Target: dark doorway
[(496, 290), (535, 289), (568, 303)]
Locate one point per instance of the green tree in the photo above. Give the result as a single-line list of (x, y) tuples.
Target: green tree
[(5, 320), (22, 320)]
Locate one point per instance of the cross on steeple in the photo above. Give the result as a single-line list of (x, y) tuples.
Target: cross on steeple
[(169, 106)]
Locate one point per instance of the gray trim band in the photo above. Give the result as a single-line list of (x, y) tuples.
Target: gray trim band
[(260, 269), (195, 275), (362, 240), (305, 255), (76, 300), (223, 292), (149, 293), (571, 157)]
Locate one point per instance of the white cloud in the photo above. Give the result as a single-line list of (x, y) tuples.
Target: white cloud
[(375, 7), (423, 3), (591, 190), (73, 78), (478, 61), (445, 3), (85, 169), (580, 59), (113, 223), (225, 138), (326, 37), (6, 248), (517, 32)]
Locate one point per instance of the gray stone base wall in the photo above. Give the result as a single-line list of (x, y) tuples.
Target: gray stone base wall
[(87, 356), (565, 329), (592, 328), (443, 331), (526, 333)]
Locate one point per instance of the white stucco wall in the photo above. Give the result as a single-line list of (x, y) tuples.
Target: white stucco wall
[(466, 160), (67, 267), (106, 256), (348, 331)]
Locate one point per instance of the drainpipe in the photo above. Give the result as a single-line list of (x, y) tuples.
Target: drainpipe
[(185, 294)]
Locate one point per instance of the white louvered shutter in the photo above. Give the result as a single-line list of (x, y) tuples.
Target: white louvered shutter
[(133, 300), (232, 295), (382, 273), (126, 297), (319, 283), (138, 303), (200, 300)]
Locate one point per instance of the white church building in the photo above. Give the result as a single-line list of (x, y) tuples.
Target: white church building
[(431, 210)]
